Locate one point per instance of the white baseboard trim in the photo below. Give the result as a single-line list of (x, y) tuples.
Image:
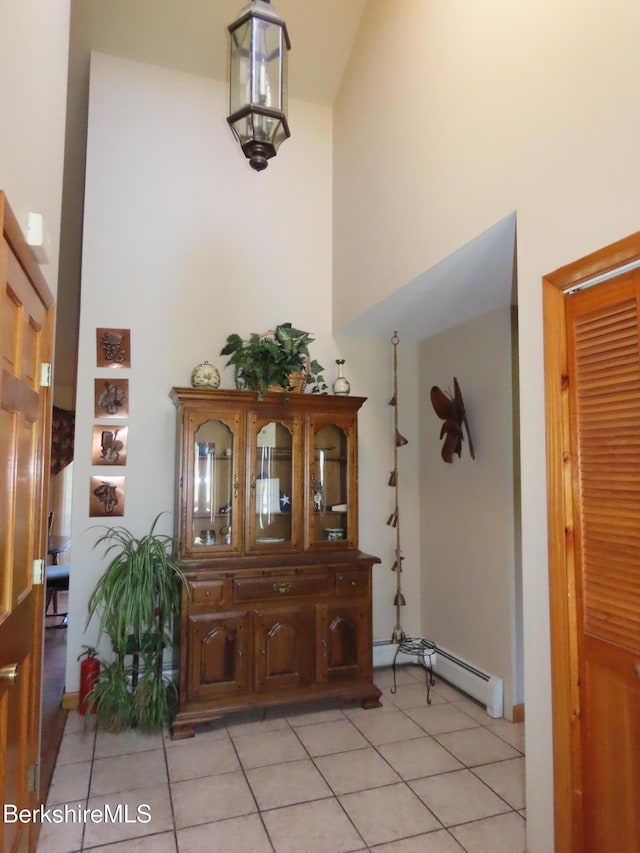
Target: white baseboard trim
[(484, 687)]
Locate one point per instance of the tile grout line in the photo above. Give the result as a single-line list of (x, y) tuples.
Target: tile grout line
[(472, 767), (88, 797), (368, 744), (118, 793), (244, 773), (467, 767), (171, 805), (400, 780), (335, 796)]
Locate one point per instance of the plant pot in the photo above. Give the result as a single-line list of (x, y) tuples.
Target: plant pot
[(298, 382)]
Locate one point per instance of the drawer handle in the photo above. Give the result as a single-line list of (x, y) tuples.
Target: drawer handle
[(354, 583), (208, 594), (283, 587)]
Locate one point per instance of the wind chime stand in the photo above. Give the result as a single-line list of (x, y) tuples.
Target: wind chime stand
[(423, 650)]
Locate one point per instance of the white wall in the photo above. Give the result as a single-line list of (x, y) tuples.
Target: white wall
[(452, 115), (466, 507), (183, 244), (34, 42)]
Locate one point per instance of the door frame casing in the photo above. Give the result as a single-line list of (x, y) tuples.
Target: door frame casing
[(567, 762)]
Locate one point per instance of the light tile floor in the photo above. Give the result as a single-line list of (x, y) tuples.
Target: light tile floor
[(328, 777)]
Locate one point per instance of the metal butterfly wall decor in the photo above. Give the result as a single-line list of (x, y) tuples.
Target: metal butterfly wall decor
[(451, 410)]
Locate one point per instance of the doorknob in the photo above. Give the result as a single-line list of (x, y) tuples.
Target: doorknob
[(636, 669), (8, 674)]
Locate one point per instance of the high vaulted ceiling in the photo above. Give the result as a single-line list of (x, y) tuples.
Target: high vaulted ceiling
[(191, 36)]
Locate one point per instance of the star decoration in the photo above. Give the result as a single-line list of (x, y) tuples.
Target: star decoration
[(285, 502)]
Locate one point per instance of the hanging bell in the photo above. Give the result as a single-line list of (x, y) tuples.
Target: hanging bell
[(401, 440), (394, 400), (392, 521), (398, 635), (396, 567), (393, 478), (399, 600)]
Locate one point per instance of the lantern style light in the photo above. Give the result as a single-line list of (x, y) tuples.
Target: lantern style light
[(258, 92)]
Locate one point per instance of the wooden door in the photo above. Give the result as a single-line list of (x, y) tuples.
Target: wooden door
[(343, 632), (274, 485), (210, 509), (218, 646), (604, 389), (25, 342), (283, 647), (592, 372), (331, 498)]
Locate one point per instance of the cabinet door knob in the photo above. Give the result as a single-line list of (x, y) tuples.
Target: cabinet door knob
[(282, 587), (354, 583), (263, 651), (236, 485), (8, 674), (240, 653)]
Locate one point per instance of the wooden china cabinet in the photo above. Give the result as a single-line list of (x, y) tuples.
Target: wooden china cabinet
[(279, 602)]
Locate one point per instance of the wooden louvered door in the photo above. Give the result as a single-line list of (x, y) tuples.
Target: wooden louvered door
[(603, 348)]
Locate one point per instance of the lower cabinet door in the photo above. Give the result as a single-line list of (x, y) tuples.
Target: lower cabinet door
[(218, 646), (343, 640), (283, 647)]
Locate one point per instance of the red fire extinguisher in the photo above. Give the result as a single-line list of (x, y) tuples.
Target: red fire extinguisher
[(89, 673)]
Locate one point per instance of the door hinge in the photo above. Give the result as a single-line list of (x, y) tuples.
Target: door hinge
[(33, 777), (38, 572), (46, 369)]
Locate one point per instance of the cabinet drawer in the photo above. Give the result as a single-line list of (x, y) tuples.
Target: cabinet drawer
[(206, 592), (280, 586), (349, 582)]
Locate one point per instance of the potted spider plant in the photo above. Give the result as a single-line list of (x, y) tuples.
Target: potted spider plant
[(275, 360), (135, 600)]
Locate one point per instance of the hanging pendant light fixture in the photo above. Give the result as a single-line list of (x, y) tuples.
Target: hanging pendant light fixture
[(258, 89)]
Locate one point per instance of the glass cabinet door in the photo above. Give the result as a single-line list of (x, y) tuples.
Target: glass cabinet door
[(214, 484), (331, 516), (272, 493)]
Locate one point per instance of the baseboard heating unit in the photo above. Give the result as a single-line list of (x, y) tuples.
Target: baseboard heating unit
[(485, 688)]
